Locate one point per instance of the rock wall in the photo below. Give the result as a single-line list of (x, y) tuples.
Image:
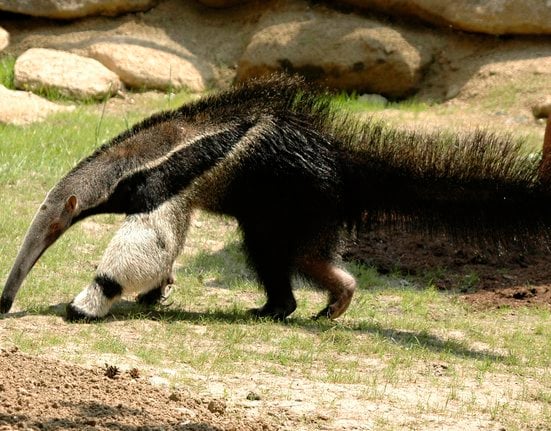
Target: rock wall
[(4, 39), (395, 48), (63, 9), (481, 16)]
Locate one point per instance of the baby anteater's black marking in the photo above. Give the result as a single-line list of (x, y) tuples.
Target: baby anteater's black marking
[(293, 171)]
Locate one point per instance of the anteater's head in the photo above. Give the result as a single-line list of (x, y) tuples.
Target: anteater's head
[(55, 216)]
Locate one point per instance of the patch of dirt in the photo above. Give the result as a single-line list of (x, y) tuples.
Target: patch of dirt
[(39, 393), (486, 277)]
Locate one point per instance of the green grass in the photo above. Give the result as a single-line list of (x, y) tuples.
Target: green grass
[(355, 103), (7, 63), (402, 344), (501, 97)]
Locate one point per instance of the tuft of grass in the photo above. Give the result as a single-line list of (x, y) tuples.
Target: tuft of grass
[(28, 343), (502, 97), (7, 64), (355, 103), (63, 96)]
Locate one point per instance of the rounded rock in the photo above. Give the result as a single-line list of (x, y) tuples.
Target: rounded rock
[(40, 69)]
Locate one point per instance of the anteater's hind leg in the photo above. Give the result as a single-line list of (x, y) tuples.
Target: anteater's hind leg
[(269, 255), (339, 284)]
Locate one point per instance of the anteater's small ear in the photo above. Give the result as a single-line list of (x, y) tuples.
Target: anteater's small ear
[(71, 204)]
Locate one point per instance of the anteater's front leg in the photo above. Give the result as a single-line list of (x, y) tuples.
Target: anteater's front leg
[(96, 300), (269, 255), (138, 260)]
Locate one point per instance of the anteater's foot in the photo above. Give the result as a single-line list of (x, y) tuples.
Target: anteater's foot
[(73, 314), (150, 298), (5, 305), (275, 311), (95, 301), (338, 305), (324, 312)]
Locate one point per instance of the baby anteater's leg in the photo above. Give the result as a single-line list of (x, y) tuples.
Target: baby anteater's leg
[(328, 276)]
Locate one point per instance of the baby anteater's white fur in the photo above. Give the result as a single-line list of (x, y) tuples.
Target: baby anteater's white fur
[(139, 258)]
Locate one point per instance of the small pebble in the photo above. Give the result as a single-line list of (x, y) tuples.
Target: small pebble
[(174, 397), (217, 406), (253, 396)]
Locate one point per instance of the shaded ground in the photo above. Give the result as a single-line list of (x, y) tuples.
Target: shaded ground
[(486, 277), (44, 394)]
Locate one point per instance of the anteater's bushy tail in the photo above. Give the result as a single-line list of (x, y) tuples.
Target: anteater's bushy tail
[(477, 186), (480, 187)]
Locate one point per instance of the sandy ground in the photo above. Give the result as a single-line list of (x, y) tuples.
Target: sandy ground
[(42, 394)]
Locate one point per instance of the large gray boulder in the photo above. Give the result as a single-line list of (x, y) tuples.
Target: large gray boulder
[(22, 107), (4, 39), (482, 16), (140, 64), (63, 9), (39, 69), (346, 52)]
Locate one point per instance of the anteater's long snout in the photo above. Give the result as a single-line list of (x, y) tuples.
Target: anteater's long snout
[(48, 224), (29, 253)]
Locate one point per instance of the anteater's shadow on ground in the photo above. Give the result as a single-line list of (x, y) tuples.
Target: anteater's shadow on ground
[(487, 276), (402, 253), (129, 310)]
